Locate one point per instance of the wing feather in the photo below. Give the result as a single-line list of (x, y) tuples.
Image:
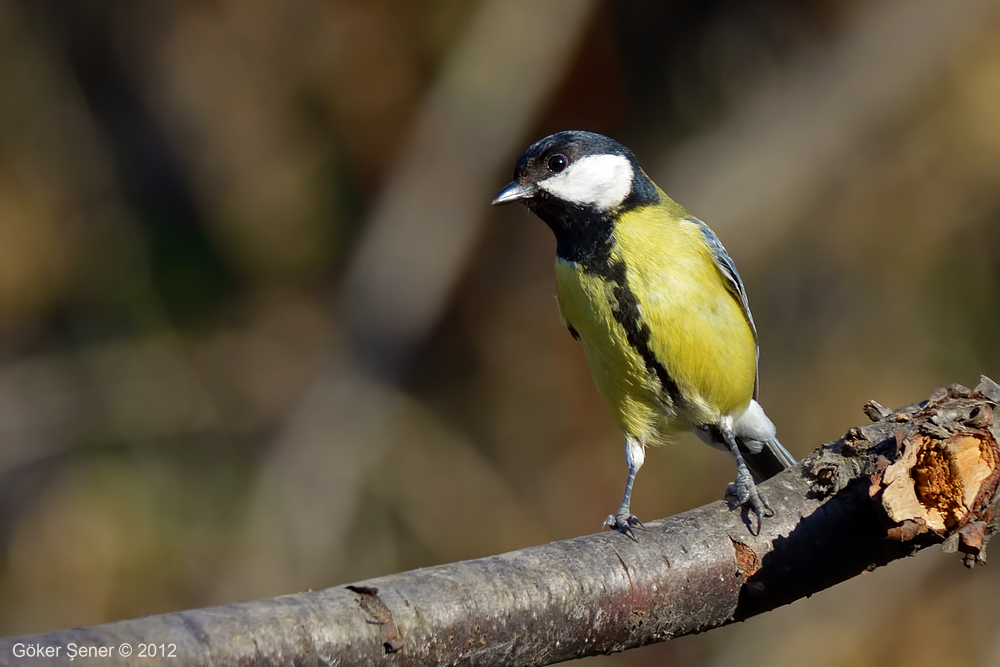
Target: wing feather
[(727, 268)]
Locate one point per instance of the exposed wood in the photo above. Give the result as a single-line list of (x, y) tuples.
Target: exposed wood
[(922, 475)]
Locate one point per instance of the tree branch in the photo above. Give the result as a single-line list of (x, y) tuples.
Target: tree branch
[(922, 475)]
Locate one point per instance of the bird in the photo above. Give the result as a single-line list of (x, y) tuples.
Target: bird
[(658, 306)]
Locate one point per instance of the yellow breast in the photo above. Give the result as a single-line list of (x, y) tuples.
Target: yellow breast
[(687, 355)]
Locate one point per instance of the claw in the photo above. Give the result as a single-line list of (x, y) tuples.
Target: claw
[(745, 494), (624, 523)]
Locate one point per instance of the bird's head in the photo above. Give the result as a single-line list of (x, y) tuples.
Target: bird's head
[(572, 177)]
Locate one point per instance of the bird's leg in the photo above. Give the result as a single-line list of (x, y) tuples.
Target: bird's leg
[(624, 521), (744, 487)]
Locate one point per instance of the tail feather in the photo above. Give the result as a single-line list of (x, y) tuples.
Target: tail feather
[(768, 460), (755, 435)]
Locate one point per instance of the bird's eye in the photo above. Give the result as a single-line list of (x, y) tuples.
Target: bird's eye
[(557, 163)]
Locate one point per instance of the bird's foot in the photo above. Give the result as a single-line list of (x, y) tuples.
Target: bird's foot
[(743, 493), (624, 522)]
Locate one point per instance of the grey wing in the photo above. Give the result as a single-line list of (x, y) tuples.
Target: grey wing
[(728, 270)]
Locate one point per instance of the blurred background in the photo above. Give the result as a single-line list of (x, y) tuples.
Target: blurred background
[(260, 330)]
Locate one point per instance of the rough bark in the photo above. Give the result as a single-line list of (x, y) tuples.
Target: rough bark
[(917, 476)]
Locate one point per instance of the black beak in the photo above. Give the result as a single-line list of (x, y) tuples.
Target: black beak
[(513, 191)]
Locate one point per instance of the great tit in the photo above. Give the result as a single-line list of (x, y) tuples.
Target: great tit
[(658, 305)]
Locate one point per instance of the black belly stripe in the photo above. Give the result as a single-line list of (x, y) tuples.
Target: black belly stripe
[(637, 332), (585, 236)]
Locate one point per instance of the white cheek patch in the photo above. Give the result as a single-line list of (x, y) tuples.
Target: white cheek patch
[(602, 181)]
